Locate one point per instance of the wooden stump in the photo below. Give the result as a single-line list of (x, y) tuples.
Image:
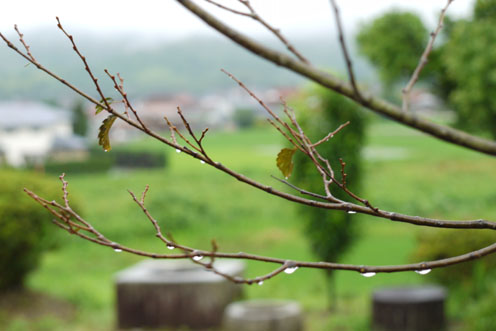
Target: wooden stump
[(158, 293), (263, 315), (409, 308)]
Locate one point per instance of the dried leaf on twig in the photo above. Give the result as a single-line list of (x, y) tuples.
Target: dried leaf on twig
[(103, 132), (285, 161)]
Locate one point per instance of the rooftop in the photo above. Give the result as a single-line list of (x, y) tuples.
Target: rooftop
[(15, 114)]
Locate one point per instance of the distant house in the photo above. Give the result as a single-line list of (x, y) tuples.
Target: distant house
[(29, 131)]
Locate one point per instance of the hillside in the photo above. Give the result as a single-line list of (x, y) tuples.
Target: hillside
[(191, 65)]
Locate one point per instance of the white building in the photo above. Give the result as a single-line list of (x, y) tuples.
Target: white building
[(28, 131)]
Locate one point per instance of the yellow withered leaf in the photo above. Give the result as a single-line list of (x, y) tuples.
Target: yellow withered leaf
[(103, 132), (285, 161)]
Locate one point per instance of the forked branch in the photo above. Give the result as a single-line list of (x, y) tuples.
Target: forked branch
[(70, 221), (67, 219), (255, 16), (424, 58), (323, 78)]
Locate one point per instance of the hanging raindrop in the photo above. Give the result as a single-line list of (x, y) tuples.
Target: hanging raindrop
[(117, 250), (197, 257), (170, 247), (202, 162), (260, 283), (368, 274), (178, 151), (423, 271), (290, 270), (351, 212)]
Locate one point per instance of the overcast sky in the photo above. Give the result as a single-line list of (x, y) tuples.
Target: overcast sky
[(170, 20)]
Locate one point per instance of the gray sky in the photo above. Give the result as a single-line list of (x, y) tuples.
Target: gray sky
[(168, 19)]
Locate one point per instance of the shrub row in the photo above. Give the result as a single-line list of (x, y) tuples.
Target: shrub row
[(100, 161)]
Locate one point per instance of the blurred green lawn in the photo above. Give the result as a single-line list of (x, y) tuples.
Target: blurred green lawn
[(405, 172)]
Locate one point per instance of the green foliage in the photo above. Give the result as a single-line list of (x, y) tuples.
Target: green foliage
[(25, 227), (330, 232), (99, 108), (393, 43), (462, 70), (79, 119), (100, 161), (244, 118), (470, 60), (440, 244), (480, 313), (471, 283), (178, 211), (485, 9), (261, 224), (91, 165)]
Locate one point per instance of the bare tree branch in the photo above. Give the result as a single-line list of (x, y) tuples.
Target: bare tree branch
[(346, 55), (423, 59), (374, 104), (196, 255), (348, 207), (254, 15), (68, 220)]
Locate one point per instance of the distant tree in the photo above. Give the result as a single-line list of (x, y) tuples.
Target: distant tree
[(485, 9), (470, 60), (393, 43), (190, 143), (244, 117), (462, 71), (322, 111), (79, 119)]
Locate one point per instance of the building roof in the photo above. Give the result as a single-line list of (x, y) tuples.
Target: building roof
[(69, 143), (16, 114)]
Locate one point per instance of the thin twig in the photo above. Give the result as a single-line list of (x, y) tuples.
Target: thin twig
[(26, 46), (325, 79), (86, 66), (125, 99), (424, 58), (332, 134), (255, 16), (344, 48), (285, 264), (423, 221), (234, 11)]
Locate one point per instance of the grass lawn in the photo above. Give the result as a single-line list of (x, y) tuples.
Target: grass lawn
[(406, 172)]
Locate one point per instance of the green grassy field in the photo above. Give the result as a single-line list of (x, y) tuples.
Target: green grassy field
[(405, 172)]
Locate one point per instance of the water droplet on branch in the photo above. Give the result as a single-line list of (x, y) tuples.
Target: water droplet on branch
[(260, 283), (290, 270), (197, 257), (351, 212), (423, 271), (170, 247), (368, 274), (117, 250), (178, 151)]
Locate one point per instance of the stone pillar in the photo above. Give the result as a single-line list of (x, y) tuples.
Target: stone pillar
[(175, 293), (263, 315), (409, 308)]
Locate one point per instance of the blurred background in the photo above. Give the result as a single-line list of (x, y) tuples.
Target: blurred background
[(50, 280)]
